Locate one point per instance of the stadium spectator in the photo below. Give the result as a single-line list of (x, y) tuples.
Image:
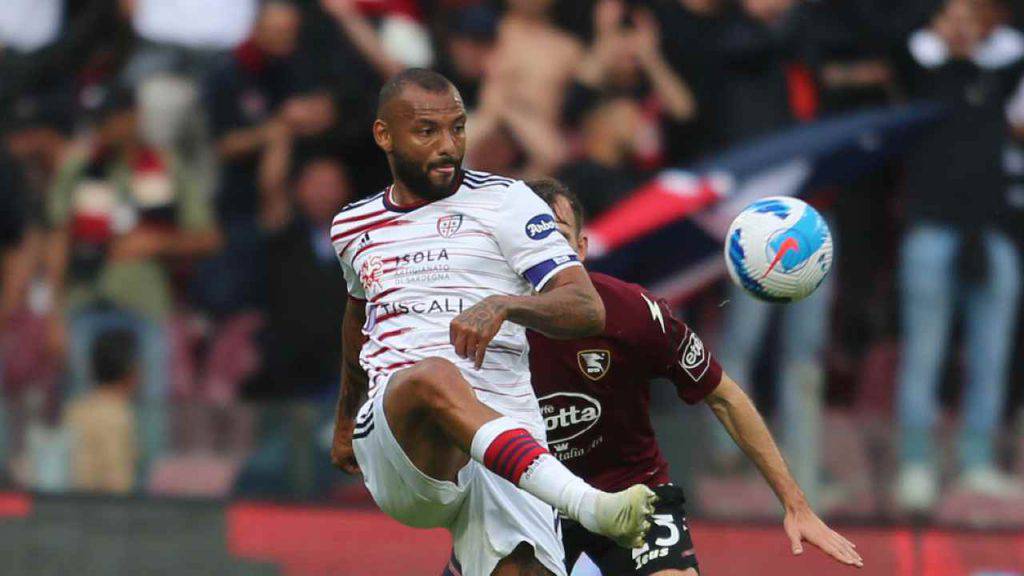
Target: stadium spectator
[(609, 140), (102, 421), (120, 209), (956, 249), (628, 61), (305, 289), (399, 41), (523, 92), (846, 45), (265, 89), (468, 45)]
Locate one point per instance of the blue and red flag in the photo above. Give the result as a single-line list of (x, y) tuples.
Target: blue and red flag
[(668, 234)]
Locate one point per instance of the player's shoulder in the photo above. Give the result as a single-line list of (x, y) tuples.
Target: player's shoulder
[(353, 213), (362, 205), (493, 193), (629, 308), (478, 180), (617, 290)]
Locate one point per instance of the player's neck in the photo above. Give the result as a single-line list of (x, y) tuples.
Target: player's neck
[(401, 196)]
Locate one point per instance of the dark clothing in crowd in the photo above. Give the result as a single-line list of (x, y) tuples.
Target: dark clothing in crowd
[(12, 203), (754, 99), (245, 92), (601, 186), (691, 50), (969, 190), (306, 300), (736, 67)]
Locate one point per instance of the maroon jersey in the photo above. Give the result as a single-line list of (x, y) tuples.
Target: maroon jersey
[(595, 392)]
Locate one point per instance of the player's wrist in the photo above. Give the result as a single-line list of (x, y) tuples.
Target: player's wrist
[(502, 306), (796, 504)]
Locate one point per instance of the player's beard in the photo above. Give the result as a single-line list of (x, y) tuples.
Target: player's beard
[(417, 180)]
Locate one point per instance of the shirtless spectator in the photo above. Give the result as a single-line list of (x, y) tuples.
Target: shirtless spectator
[(534, 63)]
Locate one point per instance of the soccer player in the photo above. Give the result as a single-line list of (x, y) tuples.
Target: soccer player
[(594, 394), (446, 268)]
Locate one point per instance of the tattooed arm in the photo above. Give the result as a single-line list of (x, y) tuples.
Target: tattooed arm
[(568, 307)]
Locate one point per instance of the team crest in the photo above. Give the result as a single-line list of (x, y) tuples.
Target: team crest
[(594, 363), (447, 226), (371, 273)]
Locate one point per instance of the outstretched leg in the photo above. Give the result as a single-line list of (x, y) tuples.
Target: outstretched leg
[(438, 421)]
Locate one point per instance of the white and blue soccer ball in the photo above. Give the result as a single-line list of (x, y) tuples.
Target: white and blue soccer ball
[(778, 249)]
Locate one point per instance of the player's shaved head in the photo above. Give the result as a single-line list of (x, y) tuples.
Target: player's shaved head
[(426, 80), (421, 126)]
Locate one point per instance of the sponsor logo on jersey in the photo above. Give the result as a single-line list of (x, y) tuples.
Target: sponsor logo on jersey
[(423, 256), (422, 266), (434, 306), (694, 359), (540, 226), (447, 226), (594, 363), (568, 415), (371, 272)]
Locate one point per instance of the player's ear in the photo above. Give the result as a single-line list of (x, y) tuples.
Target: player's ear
[(584, 244), (382, 135)]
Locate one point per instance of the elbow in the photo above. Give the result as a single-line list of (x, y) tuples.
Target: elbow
[(596, 317)]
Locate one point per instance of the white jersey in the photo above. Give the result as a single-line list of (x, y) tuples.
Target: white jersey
[(418, 268)]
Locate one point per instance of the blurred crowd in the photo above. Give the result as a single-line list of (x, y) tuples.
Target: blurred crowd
[(169, 171)]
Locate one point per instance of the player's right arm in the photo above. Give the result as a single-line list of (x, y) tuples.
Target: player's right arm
[(354, 384), (680, 355)]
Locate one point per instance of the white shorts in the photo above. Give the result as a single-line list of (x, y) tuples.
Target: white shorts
[(487, 515)]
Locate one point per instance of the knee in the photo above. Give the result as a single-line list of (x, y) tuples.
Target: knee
[(437, 383)]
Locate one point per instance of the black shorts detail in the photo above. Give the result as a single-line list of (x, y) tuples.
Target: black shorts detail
[(668, 545)]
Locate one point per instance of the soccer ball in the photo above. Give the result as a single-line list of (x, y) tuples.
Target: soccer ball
[(778, 249)]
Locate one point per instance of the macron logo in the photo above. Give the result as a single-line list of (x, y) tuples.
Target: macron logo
[(655, 312)]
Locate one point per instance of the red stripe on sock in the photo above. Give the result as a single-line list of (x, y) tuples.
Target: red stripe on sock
[(511, 453)]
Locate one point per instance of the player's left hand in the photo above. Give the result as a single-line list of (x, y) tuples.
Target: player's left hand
[(803, 524), (471, 331)]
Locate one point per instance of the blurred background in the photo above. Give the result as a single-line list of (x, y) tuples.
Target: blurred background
[(170, 305)]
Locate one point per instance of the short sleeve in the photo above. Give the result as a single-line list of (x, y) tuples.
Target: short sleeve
[(352, 283), (528, 237), (679, 353)]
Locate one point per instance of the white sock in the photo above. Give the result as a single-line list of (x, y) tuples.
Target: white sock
[(507, 449)]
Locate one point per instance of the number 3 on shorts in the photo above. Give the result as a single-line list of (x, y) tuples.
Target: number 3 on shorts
[(667, 521)]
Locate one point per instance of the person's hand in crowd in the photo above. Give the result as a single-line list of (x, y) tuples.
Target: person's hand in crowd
[(139, 244), (608, 18), (339, 8), (645, 37), (308, 115), (611, 41)]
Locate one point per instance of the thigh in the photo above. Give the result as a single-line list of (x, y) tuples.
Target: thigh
[(668, 546), (420, 437), (401, 490)]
